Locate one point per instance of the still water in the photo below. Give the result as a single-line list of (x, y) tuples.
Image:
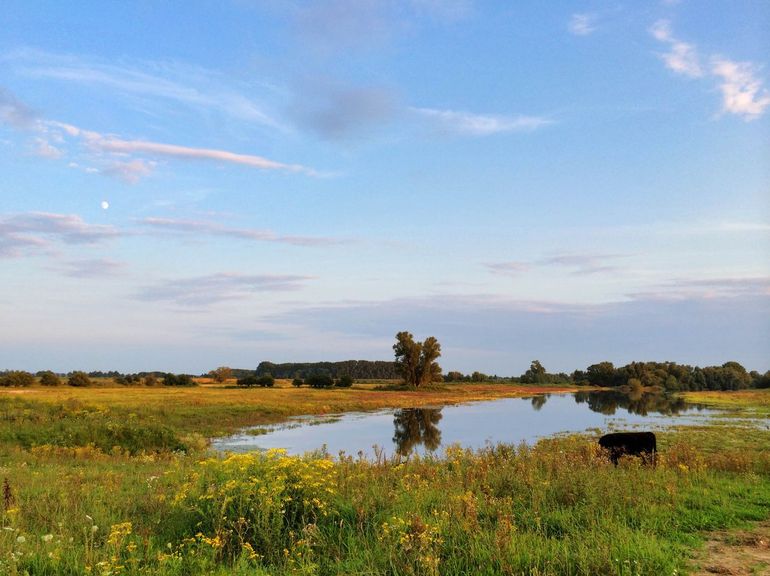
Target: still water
[(474, 425)]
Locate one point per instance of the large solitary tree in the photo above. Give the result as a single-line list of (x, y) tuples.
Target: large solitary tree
[(416, 361)]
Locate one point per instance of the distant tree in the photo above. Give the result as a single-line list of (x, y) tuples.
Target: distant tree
[(297, 382), (319, 380), (221, 374), (150, 379), (247, 381), (579, 377), (416, 361), (266, 381), (601, 374), (171, 379), (536, 374), (78, 378), (17, 379), (479, 377), (344, 381), (454, 376), (48, 378)]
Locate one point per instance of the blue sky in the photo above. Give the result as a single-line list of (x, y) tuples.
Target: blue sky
[(192, 184)]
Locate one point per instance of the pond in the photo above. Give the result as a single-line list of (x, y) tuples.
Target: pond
[(474, 425)]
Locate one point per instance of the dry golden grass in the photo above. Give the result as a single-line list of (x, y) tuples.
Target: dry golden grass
[(213, 409)]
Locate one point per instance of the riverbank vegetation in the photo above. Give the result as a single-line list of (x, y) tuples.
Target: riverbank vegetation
[(116, 481)]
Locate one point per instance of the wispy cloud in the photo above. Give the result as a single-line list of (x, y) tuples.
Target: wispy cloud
[(579, 264), (470, 124), (742, 92), (118, 155), (112, 144), (681, 58), (707, 288), (92, 268), (583, 264), (582, 24), (21, 234), (215, 229), (510, 268), (13, 112), (181, 84), (216, 288), (131, 171)]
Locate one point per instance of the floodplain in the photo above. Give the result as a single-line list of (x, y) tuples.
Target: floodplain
[(122, 480)]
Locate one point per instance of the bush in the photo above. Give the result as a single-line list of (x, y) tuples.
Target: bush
[(320, 381), (266, 381), (345, 381), (17, 379), (178, 380), (247, 381), (78, 379), (48, 378), (297, 382), (150, 380)]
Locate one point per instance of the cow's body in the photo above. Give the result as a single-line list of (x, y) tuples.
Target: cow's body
[(619, 444)]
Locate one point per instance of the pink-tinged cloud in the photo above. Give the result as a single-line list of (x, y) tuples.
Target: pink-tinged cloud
[(22, 234), (742, 92), (111, 144), (508, 268), (215, 229), (203, 291), (133, 169)]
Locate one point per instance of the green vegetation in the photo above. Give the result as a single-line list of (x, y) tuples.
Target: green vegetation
[(118, 481), (358, 369), (16, 379), (416, 361), (672, 376)]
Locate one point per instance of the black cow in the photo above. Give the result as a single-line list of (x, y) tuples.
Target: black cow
[(630, 444)]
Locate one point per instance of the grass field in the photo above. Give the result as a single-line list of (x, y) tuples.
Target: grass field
[(114, 480)]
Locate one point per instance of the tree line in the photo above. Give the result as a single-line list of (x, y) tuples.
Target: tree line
[(356, 369), (80, 379)]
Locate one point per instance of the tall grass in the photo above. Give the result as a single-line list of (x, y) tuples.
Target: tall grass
[(138, 505)]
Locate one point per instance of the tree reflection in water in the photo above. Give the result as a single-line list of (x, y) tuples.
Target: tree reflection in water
[(607, 402), (415, 426), (539, 401)]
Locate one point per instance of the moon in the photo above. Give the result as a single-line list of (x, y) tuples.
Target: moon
[(105, 204)]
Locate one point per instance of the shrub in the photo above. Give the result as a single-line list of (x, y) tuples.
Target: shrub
[(266, 381), (319, 381), (17, 379), (297, 382), (248, 381), (178, 380), (150, 380), (48, 378), (78, 378), (345, 381)]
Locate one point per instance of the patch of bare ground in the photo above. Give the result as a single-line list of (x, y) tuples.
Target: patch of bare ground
[(736, 553)]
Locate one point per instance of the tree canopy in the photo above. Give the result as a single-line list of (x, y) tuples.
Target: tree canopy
[(416, 361)]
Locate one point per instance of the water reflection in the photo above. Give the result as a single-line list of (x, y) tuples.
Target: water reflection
[(641, 403), (415, 427), (539, 401), (472, 425)]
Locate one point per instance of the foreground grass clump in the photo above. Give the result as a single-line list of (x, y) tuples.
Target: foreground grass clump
[(556, 508)]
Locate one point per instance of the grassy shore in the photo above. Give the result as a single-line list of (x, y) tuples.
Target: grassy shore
[(118, 481)]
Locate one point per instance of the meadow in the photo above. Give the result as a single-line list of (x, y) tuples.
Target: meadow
[(119, 480)]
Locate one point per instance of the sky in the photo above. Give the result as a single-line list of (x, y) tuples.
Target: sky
[(186, 185)]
